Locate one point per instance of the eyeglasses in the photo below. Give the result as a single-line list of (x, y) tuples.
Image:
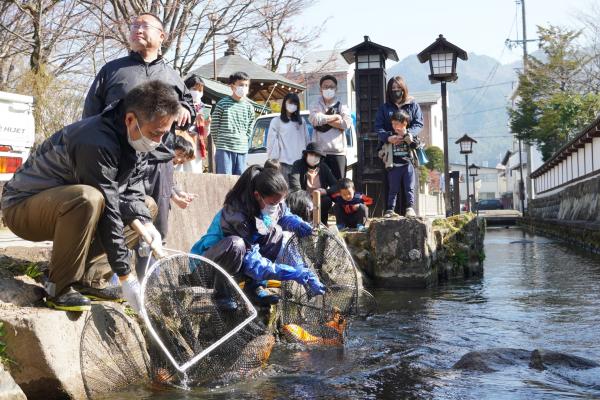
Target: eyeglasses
[(144, 27), (155, 135)]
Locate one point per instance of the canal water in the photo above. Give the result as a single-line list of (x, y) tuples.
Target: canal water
[(535, 293)]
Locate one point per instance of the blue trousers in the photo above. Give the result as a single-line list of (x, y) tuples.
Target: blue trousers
[(230, 163), (401, 180)]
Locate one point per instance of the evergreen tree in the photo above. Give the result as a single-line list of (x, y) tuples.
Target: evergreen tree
[(553, 103), (435, 155)]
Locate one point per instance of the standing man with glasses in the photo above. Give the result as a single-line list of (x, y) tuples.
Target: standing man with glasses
[(118, 77), (330, 119)]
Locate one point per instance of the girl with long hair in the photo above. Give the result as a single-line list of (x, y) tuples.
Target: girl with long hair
[(245, 237)]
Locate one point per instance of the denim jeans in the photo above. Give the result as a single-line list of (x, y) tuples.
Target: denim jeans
[(230, 163), (401, 179)]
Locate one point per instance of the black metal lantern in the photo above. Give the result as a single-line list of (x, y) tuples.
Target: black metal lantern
[(473, 170), (466, 144), (442, 56), (466, 148)]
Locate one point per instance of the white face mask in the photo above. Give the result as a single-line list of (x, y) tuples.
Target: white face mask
[(197, 96), (241, 91), (328, 94), (312, 160), (291, 108), (270, 209), (270, 214), (143, 144)]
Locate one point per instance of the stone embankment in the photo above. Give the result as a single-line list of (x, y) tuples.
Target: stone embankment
[(571, 214), (416, 252)]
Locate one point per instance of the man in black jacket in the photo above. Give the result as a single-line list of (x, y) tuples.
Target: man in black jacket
[(311, 174), (119, 76), (80, 189)]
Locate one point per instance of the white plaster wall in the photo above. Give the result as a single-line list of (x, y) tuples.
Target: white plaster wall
[(588, 158)]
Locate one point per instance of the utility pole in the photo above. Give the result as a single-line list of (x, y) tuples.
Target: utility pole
[(510, 44), (527, 146)]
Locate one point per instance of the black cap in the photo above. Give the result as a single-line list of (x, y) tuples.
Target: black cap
[(313, 147)]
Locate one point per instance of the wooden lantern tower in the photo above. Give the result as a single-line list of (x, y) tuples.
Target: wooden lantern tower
[(370, 81)]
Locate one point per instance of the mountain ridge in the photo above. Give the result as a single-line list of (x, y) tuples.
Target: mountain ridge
[(477, 103)]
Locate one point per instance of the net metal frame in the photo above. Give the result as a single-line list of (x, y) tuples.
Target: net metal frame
[(143, 312)]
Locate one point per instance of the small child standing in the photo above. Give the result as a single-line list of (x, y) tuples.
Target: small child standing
[(199, 131), (401, 177), (350, 207), (300, 203), (184, 151)]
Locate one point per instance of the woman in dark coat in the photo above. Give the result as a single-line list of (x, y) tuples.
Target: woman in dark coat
[(312, 175)]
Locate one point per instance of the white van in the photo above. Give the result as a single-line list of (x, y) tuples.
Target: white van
[(257, 154), (17, 132)]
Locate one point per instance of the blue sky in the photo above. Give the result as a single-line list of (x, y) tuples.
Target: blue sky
[(479, 26)]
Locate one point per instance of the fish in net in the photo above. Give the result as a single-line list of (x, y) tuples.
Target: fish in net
[(319, 319), (112, 352), (195, 341)]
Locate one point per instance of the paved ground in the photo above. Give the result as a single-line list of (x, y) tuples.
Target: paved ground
[(9, 239)]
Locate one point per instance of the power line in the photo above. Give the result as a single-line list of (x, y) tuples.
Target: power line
[(507, 136), (477, 112), (479, 95), (483, 86)]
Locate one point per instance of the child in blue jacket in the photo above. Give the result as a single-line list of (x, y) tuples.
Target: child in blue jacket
[(245, 237), (350, 206)]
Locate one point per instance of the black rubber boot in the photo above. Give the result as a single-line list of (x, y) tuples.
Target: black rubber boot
[(71, 300)]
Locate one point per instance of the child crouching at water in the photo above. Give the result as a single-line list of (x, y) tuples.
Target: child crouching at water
[(245, 237), (350, 206)]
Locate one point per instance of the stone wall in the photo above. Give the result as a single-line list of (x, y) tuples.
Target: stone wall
[(579, 202), (572, 214), (188, 225), (416, 252)]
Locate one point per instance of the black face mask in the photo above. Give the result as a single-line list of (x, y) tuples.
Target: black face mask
[(397, 95)]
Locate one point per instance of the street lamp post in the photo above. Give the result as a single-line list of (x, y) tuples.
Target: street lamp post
[(466, 148), (442, 56), (473, 171)]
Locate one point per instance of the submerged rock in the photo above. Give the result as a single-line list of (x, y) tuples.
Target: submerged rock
[(492, 360), (541, 359)]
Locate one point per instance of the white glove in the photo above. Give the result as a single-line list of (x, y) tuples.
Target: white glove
[(131, 292), (156, 244)]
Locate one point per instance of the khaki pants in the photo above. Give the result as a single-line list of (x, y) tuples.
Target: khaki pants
[(68, 215)]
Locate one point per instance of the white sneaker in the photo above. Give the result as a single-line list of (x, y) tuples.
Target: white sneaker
[(410, 212)]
